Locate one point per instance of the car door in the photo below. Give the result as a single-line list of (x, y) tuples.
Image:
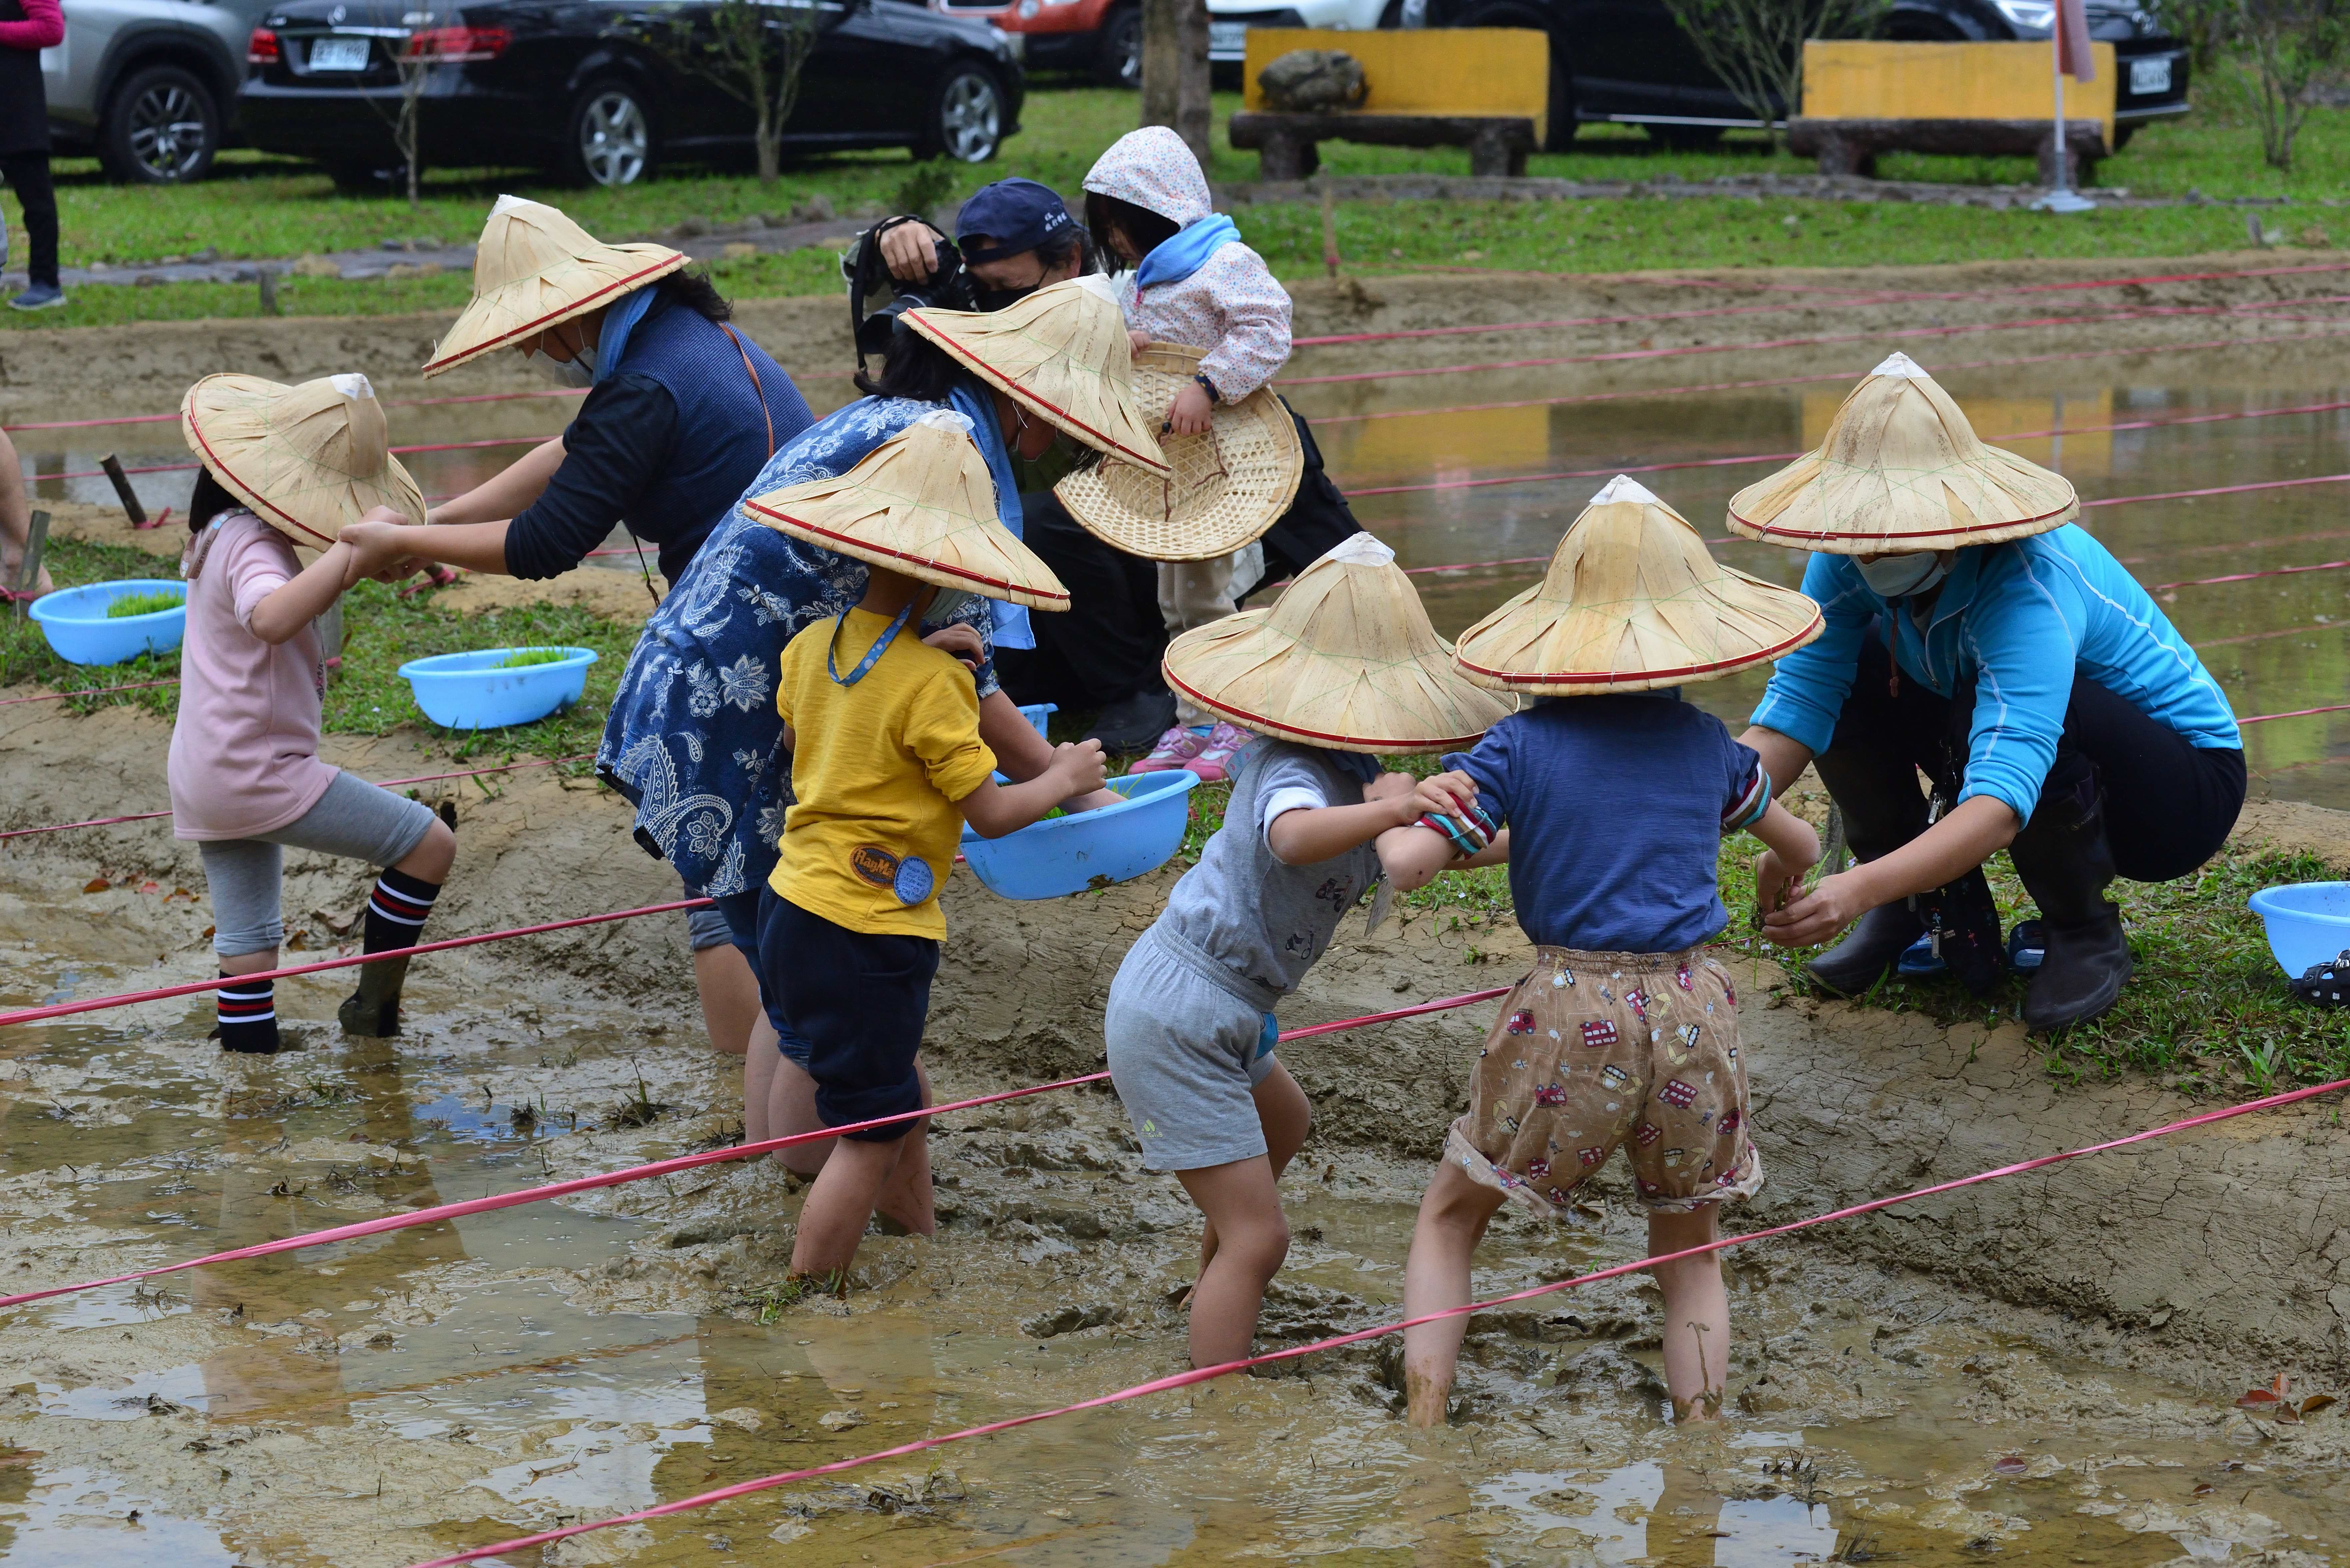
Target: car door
[(869, 67), (1627, 55)]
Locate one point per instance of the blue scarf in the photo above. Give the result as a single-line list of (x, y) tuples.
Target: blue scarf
[(1186, 250), (1360, 766), (613, 341), (1012, 628)]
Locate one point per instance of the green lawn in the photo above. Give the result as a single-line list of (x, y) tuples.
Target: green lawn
[(261, 207)]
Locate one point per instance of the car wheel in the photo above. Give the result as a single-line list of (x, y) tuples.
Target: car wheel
[(161, 128), (1119, 64), (966, 118), (609, 141)]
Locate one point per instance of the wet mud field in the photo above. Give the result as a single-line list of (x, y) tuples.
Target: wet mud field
[(2041, 1370)]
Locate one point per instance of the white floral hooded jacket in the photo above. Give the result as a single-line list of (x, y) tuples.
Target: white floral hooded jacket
[(1232, 307)]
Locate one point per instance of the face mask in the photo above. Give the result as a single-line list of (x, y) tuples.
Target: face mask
[(1898, 577), (944, 606), (573, 372), (997, 298)]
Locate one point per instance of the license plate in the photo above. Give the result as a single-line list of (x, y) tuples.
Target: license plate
[(339, 55), (1228, 38), (2150, 75)]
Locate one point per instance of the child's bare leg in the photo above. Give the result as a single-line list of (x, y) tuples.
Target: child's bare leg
[(760, 1060), (791, 1108), (906, 1196), (1697, 1314), (1287, 1115), (1241, 1202), (840, 1205), (730, 996), (1452, 1219)]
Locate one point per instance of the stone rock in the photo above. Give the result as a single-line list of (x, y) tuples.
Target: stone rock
[(315, 266), (1310, 82)]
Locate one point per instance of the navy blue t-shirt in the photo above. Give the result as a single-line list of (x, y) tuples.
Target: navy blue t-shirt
[(1616, 806)]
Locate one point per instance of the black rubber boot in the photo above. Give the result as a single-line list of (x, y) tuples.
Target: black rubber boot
[(1877, 940), (1965, 920), (2065, 861), (1883, 810)]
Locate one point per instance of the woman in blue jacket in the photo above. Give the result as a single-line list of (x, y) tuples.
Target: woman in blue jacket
[(1974, 634)]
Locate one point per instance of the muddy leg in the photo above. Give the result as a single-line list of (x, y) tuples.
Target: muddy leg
[(790, 1107), (730, 996), (840, 1205), (1241, 1202), (1697, 1314), (1452, 1219), (760, 1062), (1287, 1115)]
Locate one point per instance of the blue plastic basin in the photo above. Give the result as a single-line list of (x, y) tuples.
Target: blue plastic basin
[(75, 623), (2308, 922), (1064, 855), (471, 691)]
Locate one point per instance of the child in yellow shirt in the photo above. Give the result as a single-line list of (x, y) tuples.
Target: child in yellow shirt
[(888, 765)]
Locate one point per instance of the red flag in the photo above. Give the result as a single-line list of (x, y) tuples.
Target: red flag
[(2073, 58)]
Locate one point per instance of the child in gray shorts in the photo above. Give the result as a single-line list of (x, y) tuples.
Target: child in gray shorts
[(1343, 667)]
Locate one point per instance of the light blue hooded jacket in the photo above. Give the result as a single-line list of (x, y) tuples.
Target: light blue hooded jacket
[(2023, 619)]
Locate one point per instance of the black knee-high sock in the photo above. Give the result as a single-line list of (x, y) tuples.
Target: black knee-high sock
[(397, 910), (248, 1015)]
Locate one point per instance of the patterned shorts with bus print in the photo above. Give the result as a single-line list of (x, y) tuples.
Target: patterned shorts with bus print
[(1597, 1052)]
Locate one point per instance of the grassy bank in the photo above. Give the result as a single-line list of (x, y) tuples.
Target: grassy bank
[(276, 209)]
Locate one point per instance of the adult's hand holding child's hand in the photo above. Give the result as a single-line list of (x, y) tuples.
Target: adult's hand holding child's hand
[(1810, 919)]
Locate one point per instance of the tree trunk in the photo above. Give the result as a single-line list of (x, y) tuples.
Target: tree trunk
[(1192, 107), (1163, 56), (768, 135)]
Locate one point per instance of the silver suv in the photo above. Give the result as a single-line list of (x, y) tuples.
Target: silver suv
[(148, 86)]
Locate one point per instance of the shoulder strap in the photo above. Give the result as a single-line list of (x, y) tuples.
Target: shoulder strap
[(765, 412)]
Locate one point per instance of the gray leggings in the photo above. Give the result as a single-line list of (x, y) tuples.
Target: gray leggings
[(354, 817)]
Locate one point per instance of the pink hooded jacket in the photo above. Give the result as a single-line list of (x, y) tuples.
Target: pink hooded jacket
[(1232, 307), (43, 26)]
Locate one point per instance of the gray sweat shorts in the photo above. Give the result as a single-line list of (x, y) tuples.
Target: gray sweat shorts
[(1185, 1052), (354, 818)]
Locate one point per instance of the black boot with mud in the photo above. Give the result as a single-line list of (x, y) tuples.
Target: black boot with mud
[(1878, 938), (1963, 919), (374, 1008), (2065, 861)]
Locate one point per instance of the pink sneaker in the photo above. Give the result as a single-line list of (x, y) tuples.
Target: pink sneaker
[(1175, 749), (1217, 758)]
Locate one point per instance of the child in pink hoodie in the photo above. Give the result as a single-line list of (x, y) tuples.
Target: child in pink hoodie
[(1187, 278)]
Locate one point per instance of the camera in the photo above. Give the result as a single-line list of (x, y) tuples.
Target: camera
[(950, 287)]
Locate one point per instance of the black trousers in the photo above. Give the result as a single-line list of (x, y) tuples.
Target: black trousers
[(1108, 643), (2169, 805), (27, 174)]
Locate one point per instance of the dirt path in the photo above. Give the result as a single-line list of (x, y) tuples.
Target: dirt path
[(110, 372), (2219, 1248)]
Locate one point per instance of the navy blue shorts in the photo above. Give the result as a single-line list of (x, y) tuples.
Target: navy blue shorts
[(741, 913), (860, 1002)]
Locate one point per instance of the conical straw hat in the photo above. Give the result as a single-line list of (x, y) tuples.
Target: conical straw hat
[(1344, 658), (1229, 485), (534, 267), (1061, 352), (1901, 470), (1632, 601), (305, 458), (921, 502)]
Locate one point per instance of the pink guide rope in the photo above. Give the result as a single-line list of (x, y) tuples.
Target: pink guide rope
[(683, 1162), (1203, 1374), (88, 692), (190, 988), (379, 783), (2296, 713)]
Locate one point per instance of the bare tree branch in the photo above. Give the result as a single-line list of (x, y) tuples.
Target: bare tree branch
[(1756, 46)]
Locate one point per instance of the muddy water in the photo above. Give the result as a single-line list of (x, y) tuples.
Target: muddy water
[(386, 1400), (2276, 643)]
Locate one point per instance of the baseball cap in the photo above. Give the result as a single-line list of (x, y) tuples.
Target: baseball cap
[(1017, 214)]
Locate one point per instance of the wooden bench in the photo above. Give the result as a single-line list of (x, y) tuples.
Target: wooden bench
[(1287, 144), (1851, 146)]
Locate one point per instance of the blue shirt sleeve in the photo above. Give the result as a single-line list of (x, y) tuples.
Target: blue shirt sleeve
[(1489, 767), (1808, 686), (2022, 636)]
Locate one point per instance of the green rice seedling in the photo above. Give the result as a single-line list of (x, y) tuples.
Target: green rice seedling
[(522, 658), (148, 603)]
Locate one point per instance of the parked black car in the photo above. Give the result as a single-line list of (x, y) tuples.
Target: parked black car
[(590, 89), (1627, 60)]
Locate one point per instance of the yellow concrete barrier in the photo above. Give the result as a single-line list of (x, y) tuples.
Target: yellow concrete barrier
[(1863, 80), (1433, 71)]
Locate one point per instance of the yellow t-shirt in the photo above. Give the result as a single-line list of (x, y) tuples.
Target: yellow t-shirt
[(876, 768)]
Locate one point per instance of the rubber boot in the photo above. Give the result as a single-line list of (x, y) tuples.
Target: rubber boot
[(1883, 810), (2065, 861), (374, 1008), (1963, 918)]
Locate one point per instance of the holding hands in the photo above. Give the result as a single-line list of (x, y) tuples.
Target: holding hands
[(377, 544)]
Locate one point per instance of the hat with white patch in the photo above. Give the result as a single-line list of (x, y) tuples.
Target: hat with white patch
[(1344, 658), (536, 268), (305, 458), (921, 503), (1632, 601), (1900, 469)]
